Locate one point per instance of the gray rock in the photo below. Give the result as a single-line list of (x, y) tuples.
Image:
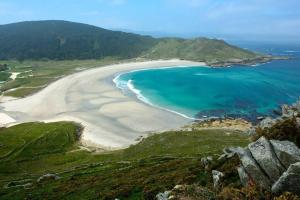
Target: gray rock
[(267, 123), (163, 196), (216, 178), (229, 152), (206, 161), (287, 152), (262, 152), (47, 177), (289, 181), (243, 176), (287, 111), (253, 169)]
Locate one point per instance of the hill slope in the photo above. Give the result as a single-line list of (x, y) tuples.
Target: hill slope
[(68, 40)]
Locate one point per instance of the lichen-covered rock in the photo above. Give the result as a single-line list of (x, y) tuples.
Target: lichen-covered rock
[(287, 152), (243, 176), (264, 155), (216, 178), (289, 181), (253, 169)]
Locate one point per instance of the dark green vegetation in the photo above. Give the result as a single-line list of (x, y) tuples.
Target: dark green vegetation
[(283, 130), (156, 164), (67, 40)]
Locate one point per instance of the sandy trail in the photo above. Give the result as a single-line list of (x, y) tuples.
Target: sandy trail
[(112, 120)]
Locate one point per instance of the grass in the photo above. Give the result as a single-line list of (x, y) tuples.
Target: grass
[(157, 163), (35, 75)]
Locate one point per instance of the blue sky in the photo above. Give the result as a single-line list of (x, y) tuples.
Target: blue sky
[(255, 19)]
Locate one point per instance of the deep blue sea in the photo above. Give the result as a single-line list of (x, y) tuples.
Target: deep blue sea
[(237, 91)]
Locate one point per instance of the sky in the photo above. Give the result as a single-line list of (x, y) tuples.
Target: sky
[(251, 19)]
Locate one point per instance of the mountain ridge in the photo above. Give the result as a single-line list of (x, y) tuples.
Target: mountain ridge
[(64, 40)]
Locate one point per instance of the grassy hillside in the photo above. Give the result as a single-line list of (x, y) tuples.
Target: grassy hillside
[(67, 40), (200, 49), (158, 163)]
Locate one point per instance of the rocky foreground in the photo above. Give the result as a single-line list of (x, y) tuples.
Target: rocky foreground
[(268, 168)]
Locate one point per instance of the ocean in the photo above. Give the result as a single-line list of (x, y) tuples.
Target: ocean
[(238, 91)]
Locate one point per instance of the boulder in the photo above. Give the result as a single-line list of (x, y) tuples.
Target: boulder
[(287, 152), (163, 195), (253, 169), (289, 181), (267, 123), (230, 152), (47, 177), (243, 176), (264, 155), (216, 178)]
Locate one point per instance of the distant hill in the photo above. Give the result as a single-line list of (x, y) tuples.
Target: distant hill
[(68, 40)]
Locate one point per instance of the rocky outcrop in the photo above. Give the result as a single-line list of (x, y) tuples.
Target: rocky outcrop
[(266, 158), (267, 122), (265, 162), (163, 196), (253, 169), (286, 151), (289, 181)]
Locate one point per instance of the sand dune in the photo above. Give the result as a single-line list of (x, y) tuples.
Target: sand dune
[(111, 119)]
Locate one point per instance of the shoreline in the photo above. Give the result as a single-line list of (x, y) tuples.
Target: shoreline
[(111, 119)]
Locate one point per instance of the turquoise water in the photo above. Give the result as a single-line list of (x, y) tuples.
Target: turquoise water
[(199, 92)]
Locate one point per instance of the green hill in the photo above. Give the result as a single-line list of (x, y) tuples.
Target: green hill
[(64, 40)]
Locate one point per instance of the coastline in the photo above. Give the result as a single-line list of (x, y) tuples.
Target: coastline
[(111, 119)]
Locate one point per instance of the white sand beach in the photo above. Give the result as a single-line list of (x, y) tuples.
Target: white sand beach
[(111, 119)]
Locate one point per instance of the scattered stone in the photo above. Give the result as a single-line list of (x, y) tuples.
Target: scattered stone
[(253, 169), (206, 161), (262, 152), (287, 152), (47, 177), (178, 187), (289, 181), (163, 196), (243, 176), (17, 184), (216, 178)]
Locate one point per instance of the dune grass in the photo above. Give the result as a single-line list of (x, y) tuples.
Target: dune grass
[(35, 75)]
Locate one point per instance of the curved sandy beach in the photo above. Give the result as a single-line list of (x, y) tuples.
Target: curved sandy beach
[(111, 119)]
